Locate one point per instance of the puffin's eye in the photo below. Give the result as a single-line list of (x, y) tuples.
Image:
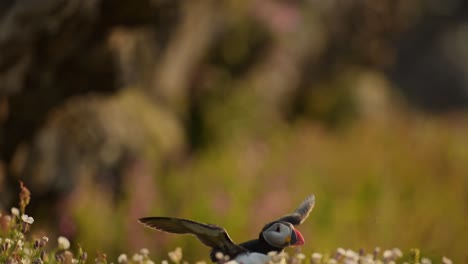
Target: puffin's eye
[(277, 228)]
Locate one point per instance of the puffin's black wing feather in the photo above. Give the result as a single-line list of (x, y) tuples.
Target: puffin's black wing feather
[(213, 236), (301, 213)]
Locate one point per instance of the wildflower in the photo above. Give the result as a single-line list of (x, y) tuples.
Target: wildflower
[(149, 261), (426, 261), (25, 197), (122, 258), (36, 244), (20, 244), (144, 251), (367, 259), (164, 262), (397, 253), (376, 252), (279, 258), (176, 255), (316, 257), (388, 254), (4, 247), (84, 256), (219, 255), (137, 257), (351, 255), (25, 261), (27, 219), (15, 211), (300, 256), (446, 260), (341, 251), (63, 242), (43, 241)]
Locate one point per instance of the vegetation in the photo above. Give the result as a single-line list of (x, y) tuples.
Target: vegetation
[(18, 246), (230, 112)]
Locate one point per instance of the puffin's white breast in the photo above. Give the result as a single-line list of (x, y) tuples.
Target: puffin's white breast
[(251, 258)]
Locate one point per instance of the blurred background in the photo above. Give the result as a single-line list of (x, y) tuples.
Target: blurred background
[(232, 112)]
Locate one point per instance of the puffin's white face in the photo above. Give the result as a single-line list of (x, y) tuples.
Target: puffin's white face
[(278, 235)]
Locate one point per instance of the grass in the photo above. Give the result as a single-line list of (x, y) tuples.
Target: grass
[(17, 245)]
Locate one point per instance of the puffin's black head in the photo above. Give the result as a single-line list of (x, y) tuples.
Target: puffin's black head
[(282, 234)]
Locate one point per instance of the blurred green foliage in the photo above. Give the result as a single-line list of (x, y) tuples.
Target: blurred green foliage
[(400, 183)]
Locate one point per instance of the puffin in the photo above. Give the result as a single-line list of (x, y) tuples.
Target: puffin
[(273, 237)]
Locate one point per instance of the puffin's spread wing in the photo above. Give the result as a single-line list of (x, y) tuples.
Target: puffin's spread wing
[(211, 235), (301, 213)]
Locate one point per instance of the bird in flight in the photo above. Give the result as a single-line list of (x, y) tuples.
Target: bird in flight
[(274, 236)]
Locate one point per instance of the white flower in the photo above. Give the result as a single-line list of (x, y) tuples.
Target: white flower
[(446, 260), (176, 255), (149, 262), (27, 219), (218, 255), (20, 244), (388, 254), (397, 252), (144, 251), (15, 211), (137, 257), (25, 261), (46, 239), (63, 242), (300, 256), (352, 255), (367, 259), (122, 258), (341, 251), (316, 257), (426, 261), (164, 262)]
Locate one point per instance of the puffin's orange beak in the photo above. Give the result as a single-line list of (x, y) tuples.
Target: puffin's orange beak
[(296, 238)]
